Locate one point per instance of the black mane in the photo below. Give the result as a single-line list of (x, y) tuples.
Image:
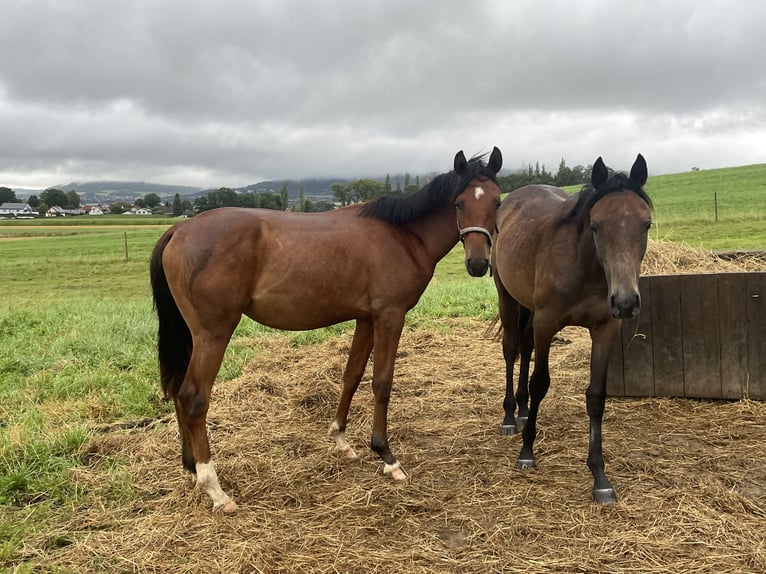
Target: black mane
[(437, 193), (590, 195)]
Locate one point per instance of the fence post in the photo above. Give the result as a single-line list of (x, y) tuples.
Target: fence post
[(715, 202)]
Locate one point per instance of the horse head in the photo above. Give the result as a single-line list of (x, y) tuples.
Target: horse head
[(619, 221), (476, 202)]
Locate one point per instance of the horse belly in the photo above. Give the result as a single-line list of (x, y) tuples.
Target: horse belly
[(301, 309)]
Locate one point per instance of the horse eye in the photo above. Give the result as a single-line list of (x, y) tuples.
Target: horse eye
[(499, 203), (459, 204), (595, 227), (648, 225)]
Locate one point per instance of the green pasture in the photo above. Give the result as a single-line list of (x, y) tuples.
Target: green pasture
[(685, 206), (77, 331)]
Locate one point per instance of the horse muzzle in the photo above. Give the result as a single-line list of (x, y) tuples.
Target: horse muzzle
[(477, 266), (625, 305)]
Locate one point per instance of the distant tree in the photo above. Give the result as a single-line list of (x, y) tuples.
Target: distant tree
[(340, 193), (7, 195), (152, 200), (54, 197), (269, 200), (284, 196), (301, 198), (177, 206), (248, 199), (223, 197), (72, 200), (200, 204), (398, 186), (42, 208), (563, 175), (387, 185), (119, 207), (318, 206), (140, 202), (364, 189), (33, 200)]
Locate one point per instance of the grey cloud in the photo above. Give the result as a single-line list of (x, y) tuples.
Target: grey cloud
[(225, 94)]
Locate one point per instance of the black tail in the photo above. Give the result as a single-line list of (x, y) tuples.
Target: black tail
[(174, 341)]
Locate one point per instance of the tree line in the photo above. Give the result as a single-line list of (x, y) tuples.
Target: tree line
[(355, 191)]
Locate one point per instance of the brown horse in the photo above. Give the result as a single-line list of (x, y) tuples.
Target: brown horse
[(565, 260), (369, 262)]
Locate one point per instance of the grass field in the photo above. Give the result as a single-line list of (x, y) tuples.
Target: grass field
[(77, 329)]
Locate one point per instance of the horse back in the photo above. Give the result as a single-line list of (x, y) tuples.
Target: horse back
[(532, 250)]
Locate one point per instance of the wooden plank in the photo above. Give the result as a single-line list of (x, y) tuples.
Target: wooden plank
[(756, 335), (638, 365), (667, 344), (701, 337), (732, 302)]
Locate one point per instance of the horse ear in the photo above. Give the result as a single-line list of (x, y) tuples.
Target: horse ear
[(599, 174), (460, 162), (495, 160), (638, 172)]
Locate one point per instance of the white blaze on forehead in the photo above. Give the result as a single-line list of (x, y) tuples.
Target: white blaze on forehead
[(478, 192)]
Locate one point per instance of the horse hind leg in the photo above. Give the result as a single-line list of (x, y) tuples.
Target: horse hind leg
[(192, 402), (361, 347), (526, 347), (509, 319)]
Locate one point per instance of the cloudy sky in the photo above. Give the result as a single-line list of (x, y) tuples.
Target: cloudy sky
[(212, 93)]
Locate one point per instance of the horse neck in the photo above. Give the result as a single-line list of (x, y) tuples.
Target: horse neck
[(587, 260), (438, 232)]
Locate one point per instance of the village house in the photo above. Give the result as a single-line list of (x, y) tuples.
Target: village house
[(57, 211), (9, 209)]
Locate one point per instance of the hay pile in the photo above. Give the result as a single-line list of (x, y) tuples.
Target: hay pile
[(665, 258), (690, 476)]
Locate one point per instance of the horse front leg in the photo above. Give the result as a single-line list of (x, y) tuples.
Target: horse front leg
[(539, 384), (192, 403), (361, 347), (387, 330), (602, 339)]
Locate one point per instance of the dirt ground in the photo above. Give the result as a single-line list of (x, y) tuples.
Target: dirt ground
[(690, 476)]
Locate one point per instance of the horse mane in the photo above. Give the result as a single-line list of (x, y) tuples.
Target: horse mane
[(589, 196), (437, 193)]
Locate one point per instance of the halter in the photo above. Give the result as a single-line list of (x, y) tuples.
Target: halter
[(472, 229)]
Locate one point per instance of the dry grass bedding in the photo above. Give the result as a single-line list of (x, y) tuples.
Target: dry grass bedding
[(690, 475)]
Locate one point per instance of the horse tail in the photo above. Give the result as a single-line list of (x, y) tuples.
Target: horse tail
[(494, 330), (174, 341)]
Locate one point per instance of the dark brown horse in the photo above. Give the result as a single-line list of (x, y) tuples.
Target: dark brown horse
[(565, 260), (369, 262)]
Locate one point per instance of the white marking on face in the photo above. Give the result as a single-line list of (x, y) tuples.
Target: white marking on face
[(478, 192)]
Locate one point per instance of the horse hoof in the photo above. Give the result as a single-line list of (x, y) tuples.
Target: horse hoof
[(228, 507), (604, 496), (521, 422), (347, 453), (395, 471), (508, 430), (525, 464)]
